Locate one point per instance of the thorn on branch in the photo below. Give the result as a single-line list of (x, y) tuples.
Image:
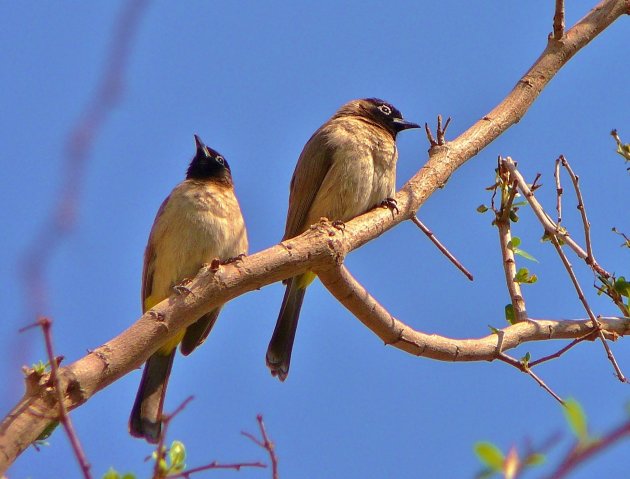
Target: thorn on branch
[(558, 21), (440, 132)]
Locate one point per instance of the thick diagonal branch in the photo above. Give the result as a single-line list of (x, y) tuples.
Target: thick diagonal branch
[(319, 249)]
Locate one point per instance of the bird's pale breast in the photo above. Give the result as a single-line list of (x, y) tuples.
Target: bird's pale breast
[(362, 173), (200, 222)]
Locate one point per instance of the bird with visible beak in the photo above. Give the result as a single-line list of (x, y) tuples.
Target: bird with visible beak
[(200, 221), (346, 168)]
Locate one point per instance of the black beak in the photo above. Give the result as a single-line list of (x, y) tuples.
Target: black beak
[(400, 124), (199, 143)]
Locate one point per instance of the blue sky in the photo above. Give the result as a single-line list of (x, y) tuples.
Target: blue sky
[(254, 80)]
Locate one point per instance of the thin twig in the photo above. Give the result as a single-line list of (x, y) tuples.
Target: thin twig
[(559, 191), (502, 219), (266, 444), (560, 352), (160, 450), (61, 220), (64, 417), (441, 247), (587, 308), (215, 465), (441, 131), (527, 370), (548, 224), (580, 453), (580, 206), (558, 20), (429, 134)]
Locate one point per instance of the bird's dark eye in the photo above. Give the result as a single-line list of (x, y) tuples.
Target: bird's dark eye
[(220, 160), (385, 109)]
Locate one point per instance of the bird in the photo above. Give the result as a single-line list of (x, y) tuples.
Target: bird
[(346, 168), (199, 222)]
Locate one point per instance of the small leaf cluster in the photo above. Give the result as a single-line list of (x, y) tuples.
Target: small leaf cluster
[(172, 461), (113, 474), (508, 465), (617, 289)]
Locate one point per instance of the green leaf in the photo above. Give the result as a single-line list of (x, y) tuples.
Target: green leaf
[(622, 286), (40, 367), (48, 431), (111, 474), (525, 359), (523, 276), (494, 330), (510, 317), (576, 418), (513, 216), (524, 254), (489, 455), (482, 209), (535, 459), (177, 456), (514, 242)]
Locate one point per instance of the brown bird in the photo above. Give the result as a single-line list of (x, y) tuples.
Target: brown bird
[(198, 222), (346, 168)]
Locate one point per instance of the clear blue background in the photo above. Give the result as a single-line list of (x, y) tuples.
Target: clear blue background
[(255, 79)]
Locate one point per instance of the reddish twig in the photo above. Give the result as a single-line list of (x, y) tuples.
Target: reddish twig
[(440, 132), (160, 453), (441, 247), (160, 450), (77, 150), (527, 370), (215, 465), (266, 444), (64, 417), (551, 228), (590, 259), (580, 453), (560, 352), (596, 326), (559, 191)]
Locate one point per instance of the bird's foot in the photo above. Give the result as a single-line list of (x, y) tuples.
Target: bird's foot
[(155, 315), (338, 224), (233, 259), (391, 204), (182, 288)]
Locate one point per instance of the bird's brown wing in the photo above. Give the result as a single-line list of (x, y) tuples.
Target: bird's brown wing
[(149, 259), (312, 166)]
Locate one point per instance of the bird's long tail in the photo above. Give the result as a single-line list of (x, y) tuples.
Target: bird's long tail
[(146, 415), (281, 344)]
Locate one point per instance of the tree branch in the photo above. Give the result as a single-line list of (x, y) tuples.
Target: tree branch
[(395, 333), (322, 249)]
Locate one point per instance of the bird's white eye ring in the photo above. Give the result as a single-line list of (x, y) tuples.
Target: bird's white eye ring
[(385, 109), (221, 160)]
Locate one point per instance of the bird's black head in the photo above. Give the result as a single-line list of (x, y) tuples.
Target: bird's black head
[(385, 114), (208, 164)]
